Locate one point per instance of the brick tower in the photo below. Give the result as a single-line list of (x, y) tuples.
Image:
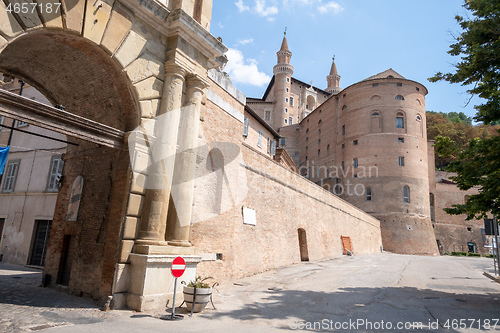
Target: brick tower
[(283, 77)]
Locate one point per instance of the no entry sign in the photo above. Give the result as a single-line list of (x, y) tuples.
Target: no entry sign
[(178, 267)]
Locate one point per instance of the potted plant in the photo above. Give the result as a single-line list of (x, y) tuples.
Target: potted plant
[(203, 294)]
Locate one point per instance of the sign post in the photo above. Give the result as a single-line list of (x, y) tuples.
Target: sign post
[(178, 268)]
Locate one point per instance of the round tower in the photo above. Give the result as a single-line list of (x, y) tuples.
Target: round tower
[(333, 80), (282, 85), (382, 147)]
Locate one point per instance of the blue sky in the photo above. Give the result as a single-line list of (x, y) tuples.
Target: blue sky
[(366, 37)]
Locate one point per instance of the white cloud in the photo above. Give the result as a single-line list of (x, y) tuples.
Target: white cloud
[(262, 10), (241, 6), (330, 7), (245, 41), (242, 71)]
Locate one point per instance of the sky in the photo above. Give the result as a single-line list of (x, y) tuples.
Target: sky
[(365, 36)]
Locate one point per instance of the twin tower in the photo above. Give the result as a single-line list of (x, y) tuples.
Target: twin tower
[(366, 143)]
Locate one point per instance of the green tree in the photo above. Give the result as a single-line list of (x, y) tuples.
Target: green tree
[(478, 163)]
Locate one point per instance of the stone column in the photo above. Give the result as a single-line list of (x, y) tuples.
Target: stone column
[(162, 149), (179, 217)]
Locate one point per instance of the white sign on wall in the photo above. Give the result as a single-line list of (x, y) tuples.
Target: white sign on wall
[(249, 216)]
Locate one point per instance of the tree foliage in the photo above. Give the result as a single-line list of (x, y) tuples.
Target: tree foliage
[(478, 162), (479, 48)]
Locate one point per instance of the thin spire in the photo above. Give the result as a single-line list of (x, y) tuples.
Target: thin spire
[(284, 44), (333, 70)]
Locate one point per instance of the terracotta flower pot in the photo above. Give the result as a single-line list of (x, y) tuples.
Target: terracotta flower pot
[(201, 300)]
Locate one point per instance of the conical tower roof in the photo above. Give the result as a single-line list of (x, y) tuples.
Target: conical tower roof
[(284, 45), (333, 70)]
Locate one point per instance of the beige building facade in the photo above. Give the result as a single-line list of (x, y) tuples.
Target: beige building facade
[(29, 186)]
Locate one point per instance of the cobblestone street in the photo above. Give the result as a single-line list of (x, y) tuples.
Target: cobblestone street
[(26, 307)]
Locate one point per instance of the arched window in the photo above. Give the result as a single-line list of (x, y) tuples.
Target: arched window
[(344, 107), (375, 98), (399, 98), (406, 194), (368, 193), (420, 125), (400, 120)]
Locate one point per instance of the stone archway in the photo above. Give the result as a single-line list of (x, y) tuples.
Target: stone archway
[(74, 72)]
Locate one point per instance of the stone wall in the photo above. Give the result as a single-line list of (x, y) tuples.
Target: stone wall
[(283, 202)]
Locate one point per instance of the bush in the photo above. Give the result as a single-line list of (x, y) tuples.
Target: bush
[(456, 253), (488, 256), (470, 254)]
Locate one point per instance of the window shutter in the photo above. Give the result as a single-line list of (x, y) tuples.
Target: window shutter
[(245, 127), (273, 148)]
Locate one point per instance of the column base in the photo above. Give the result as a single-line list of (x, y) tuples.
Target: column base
[(163, 250), (181, 243), (151, 283), (150, 242)]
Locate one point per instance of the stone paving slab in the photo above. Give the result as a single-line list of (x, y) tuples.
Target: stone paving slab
[(26, 307)]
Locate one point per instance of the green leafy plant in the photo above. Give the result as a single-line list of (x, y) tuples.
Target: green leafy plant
[(199, 282)]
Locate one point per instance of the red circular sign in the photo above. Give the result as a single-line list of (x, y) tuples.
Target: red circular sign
[(178, 267)]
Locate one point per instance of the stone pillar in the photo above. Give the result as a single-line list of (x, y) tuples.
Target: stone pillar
[(163, 149), (180, 213)]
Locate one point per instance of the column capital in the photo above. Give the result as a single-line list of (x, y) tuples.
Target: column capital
[(197, 81), (174, 69)]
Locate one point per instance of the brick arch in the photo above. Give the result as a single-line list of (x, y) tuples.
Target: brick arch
[(74, 72), (89, 81)]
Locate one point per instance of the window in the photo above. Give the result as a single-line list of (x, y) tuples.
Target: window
[(399, 98), (419, 118), (375, 85), (11, 175), (344, 107), (343, 130), (286, 110), (290, 121), (401, 161), (368, 193), (287, 79), (319, 151), (287, 90), (400, 120), (269, 145), (417, 88), (306, 149), (55, 173), (307, 139), (431, 201), (342, 165), (343, 96), (355, 142), (245, 126), (327, 147), (267, 115), (307, 130), (399, 84), (259, 142), (355, 162), (283, 140), (286, 99), (21, 123), (291, 101), (286, 121), (343, 146), (406, 194), (319, 131), (297, 154), (319, 141), (320, 121), (375, 114), (401, 140)]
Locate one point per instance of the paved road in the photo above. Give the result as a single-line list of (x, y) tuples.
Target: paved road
[(369, 293)]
